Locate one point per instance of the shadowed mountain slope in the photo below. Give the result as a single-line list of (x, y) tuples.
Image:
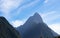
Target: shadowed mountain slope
[(34, 27), (6, 30)]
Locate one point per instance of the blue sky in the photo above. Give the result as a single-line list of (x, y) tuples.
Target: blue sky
[(18, 11)]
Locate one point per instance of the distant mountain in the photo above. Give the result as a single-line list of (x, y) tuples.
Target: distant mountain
[(34, 27), (6, 30)]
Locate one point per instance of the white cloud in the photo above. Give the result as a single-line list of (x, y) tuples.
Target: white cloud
[(55, 27), (7, 5), (17, 23)]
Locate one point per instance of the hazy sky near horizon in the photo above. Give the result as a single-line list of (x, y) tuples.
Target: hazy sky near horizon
[(18, 11)]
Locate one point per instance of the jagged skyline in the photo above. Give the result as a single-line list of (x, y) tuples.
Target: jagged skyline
[(18, 11)]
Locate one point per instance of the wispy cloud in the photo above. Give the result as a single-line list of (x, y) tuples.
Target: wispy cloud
[(28, 5), (50, 16), (48, 13), (7, 5)]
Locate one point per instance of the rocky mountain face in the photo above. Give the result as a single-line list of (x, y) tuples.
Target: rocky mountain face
[(6, 30), (34, 27)]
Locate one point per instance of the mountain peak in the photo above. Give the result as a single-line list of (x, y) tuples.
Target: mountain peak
[(37, 18), (36, 14)]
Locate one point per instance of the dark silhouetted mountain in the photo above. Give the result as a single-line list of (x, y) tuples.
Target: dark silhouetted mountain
[(34, 27), (6, 30), (57, 37)]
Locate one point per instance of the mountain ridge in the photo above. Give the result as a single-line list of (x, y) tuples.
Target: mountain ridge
[(6, 30)]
